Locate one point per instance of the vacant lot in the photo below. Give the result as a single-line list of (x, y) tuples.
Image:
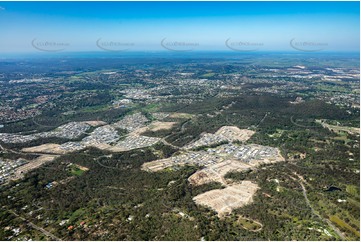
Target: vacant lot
[(19, 173), (223, 201), (233, 133), (181, 115), (157, 125), (45, 148), (216, 172)]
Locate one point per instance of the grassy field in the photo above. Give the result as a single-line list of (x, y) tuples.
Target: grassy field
[(353, 190), (210, 74), (249, 224), (344, 225), (151, 108), (103, 107), (277, 134), (75, 170)]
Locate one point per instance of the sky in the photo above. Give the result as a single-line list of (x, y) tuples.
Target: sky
[(179, 26)]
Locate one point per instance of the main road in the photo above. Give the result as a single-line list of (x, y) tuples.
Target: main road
[(45, 232)]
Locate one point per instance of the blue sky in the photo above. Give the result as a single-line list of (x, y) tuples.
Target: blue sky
[(180, 26)]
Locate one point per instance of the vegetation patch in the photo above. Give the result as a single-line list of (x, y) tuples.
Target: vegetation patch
[(343, 225), (249, 224)]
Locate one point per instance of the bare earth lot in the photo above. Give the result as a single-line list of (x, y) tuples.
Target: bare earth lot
[(216, 172), (45, 148), (225, 133), (224, 200), (19, 173)]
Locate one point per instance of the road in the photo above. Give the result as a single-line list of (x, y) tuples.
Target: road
[(45, 232), (304, 191), (184, 124), (303, 126), (265, 116), (169, 144), (335, 229), (181, 131)]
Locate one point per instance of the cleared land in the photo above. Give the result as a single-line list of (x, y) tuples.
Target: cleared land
[(134, 142), (153, 127), (223, 201), (233, 133), (19, 173), (157, 125), (250, 224), (181, 115), (338, 129), (216, 172), (225, 133), (45, 148), (95, 123)]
